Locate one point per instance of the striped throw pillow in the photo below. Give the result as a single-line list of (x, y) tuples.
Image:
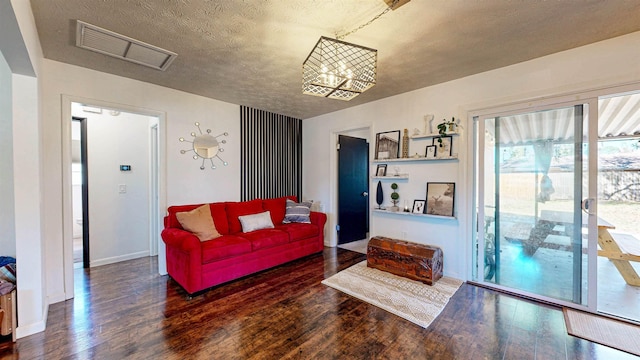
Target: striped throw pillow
[(297, 212)]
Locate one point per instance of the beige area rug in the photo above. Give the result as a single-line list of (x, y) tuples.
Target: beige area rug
[(411, 300), (602, 330)]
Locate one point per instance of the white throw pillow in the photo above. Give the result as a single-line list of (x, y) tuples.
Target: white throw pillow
[(256, 221)]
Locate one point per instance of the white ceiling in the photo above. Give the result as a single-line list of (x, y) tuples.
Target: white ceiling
[(250, 52)]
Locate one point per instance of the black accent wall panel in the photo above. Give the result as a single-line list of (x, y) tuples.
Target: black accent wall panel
[(271, 155)]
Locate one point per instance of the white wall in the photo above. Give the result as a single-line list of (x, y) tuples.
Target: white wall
[(7, 213), (118, 222), (76, 177), (605, 64), (185, 182), (20, 44), (32, 305)]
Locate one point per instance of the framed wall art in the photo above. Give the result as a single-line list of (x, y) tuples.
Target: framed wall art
[(388, 145), (381, 170), (440, 198), (418, 206), (430, 151), (443, 149)]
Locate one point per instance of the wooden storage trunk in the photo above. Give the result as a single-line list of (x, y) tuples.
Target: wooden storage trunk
[(414, 261), (8, 305)]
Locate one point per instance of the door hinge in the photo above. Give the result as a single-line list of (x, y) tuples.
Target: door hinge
[(337, 227), (338, 146)]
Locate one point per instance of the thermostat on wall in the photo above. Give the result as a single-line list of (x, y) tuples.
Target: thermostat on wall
[(125, 167)]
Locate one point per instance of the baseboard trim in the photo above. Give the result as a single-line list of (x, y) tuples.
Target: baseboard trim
[(119, 258), (57, 298), (34, 328)]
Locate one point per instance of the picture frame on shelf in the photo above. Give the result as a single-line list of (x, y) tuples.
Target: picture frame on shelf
[(418, 206), (444, 148), (388, 145), (381, 170), (430, 152), (440, 198)]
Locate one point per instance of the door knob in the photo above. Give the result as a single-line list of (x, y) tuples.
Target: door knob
[(586, 205), (364, 193)]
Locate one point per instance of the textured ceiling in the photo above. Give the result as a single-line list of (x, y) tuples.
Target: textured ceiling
[(250, 52)]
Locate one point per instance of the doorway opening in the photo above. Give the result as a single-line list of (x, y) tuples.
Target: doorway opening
[(122, 174), (80, 192), (352, 189)]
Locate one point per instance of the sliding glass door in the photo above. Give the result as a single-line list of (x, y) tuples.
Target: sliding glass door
[(618, 264), (533, 198)]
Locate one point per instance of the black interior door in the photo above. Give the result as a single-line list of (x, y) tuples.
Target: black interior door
[(84, 161), (353, 189)]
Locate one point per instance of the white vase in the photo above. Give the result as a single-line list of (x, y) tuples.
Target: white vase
[(428, 124)]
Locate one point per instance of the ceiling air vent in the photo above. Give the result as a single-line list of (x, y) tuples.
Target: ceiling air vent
[(107, 42)]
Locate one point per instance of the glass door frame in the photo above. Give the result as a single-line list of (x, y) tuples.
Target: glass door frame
[(590, 117)]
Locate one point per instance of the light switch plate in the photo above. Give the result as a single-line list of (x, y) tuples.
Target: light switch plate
[(122, 188)]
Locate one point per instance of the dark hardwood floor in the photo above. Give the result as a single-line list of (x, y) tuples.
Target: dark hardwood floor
[(127, 311)]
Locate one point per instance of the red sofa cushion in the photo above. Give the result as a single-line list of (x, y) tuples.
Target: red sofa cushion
[(277, 207), (224, 247), (299, 231), (266, 238), (219, 215), (235, 209)]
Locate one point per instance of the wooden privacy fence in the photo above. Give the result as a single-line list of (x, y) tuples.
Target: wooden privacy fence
[(613, 185)]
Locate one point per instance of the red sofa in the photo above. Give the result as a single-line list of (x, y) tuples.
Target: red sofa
[(197, 265)]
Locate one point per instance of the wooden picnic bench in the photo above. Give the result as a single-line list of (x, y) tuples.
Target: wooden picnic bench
[(611, 249), (609, 245)]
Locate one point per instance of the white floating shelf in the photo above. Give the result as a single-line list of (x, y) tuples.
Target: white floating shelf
[(402, 213), (426, 136), (452, 157), (392, 177)]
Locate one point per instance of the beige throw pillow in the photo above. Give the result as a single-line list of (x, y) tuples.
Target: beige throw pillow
[(199, 222)]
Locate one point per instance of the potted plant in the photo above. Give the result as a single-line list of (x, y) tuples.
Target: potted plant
[(444, 126), (394, 197)]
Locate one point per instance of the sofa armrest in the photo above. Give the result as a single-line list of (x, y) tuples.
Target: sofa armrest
[(180, 239), (318, 218)]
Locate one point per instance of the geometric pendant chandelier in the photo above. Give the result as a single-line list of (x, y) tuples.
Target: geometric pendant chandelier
[(339, 70)]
